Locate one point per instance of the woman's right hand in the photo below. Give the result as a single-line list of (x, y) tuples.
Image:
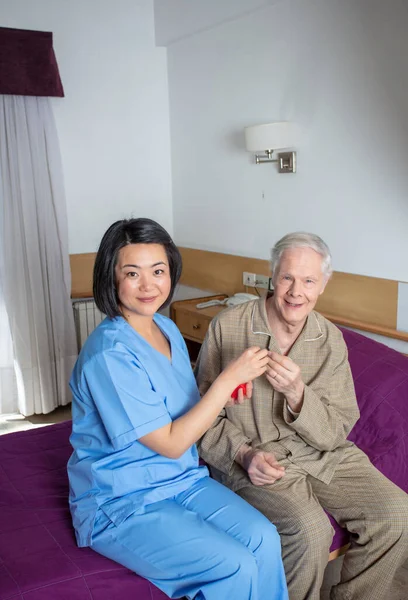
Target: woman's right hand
[(251, 364)]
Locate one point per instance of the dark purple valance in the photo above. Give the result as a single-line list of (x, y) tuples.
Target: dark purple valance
[(28, 66)]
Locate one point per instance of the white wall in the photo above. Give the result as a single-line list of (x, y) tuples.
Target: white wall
[(337, 67), (176, 19), (113, 123)]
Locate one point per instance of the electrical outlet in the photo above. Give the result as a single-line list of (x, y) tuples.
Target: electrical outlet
[(262, 281), (248, 279)]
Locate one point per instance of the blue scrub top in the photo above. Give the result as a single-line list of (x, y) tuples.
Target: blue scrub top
[(122, 390)]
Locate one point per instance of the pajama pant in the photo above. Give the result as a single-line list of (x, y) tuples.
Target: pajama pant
[(205, 543), (361, 499)]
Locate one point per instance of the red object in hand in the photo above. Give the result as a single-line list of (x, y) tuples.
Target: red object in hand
[(243, 387)]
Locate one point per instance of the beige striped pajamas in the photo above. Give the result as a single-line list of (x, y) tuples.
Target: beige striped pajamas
[(323, 469)]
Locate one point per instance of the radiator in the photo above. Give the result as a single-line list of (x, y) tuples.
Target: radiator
[(87, 316)]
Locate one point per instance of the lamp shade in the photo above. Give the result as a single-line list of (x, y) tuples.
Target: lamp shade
[(269, 136)]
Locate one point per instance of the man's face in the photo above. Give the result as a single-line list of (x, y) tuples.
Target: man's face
[(298, 284)]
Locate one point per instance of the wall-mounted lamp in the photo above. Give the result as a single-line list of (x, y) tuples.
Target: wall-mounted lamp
[(269, 137)]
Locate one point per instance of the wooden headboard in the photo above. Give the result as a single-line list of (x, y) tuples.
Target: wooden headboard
[(365, 303)]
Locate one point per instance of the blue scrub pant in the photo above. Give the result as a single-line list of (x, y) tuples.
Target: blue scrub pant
[(205, 543)]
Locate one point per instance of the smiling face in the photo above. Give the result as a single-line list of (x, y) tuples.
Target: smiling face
[(142, 279), (298, 283)]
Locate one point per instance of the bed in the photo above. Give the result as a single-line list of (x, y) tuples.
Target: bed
[(39, 559)]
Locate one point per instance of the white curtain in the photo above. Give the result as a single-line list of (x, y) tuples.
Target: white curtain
[(37, 336)]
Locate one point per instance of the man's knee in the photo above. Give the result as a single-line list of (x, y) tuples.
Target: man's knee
[(394, 516), (314, 533)]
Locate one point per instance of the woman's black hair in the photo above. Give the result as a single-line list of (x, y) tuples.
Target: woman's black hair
[(120, 234)]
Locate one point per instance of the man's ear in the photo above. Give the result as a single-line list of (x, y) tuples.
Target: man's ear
[(325, 282)]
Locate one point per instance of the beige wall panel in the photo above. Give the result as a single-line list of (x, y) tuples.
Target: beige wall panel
[(219, 272), (361, 298), (366, 303), (81, 274)]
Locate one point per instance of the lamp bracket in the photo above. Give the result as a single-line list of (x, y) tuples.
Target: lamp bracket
[(286, 160)]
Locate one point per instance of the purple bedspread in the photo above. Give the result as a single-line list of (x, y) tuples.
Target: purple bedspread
[(381, 380), (39, 559)]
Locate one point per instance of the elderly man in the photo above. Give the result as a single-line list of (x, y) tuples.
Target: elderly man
[(286, 451)]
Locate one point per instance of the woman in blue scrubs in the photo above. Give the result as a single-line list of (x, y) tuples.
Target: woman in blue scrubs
[(137, 492)]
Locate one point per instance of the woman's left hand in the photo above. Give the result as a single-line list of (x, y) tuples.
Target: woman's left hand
[(241, 397)]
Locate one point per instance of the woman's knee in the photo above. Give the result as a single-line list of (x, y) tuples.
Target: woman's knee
[(239, 564), (262, 534), (270, 541)]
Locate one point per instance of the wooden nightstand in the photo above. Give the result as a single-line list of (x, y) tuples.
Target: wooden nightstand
[(193, 322)]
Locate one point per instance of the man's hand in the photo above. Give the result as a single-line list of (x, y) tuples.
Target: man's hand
[(262, 467), (284, 376)]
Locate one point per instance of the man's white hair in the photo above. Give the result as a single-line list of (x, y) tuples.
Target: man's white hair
[(302, 239)]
